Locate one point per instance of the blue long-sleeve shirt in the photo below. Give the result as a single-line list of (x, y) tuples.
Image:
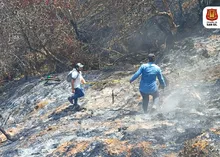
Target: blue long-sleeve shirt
[(149, 72)]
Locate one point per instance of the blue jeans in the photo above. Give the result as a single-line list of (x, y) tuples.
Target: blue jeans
[(146, 99), (78, 93)]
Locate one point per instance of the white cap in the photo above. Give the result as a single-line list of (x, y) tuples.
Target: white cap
[(79, 65)]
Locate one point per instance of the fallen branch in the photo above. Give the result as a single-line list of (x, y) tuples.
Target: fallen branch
[(113, 97), (112, 51), (7, 135), (3, 131)]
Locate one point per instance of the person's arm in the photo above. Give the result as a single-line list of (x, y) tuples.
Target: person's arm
[(161, 79), (72, 84), (83, 80), (136, 75)]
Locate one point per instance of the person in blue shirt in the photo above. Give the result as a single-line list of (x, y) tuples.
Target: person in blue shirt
[(148, 85)]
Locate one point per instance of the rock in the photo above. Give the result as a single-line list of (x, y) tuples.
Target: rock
[(204, 53)]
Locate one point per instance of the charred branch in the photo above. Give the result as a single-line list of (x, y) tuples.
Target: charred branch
[(79, 36)]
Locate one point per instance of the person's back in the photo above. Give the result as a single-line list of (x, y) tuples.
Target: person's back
[(150, 72), (148, 85)]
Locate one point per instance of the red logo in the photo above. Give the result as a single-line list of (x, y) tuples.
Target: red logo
[(212, 14)]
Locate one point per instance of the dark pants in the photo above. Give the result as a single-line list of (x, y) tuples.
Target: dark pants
[(146, 99), (78, 93)]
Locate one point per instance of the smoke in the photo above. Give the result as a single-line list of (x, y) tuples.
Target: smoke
[(170, 102), (185, 98)]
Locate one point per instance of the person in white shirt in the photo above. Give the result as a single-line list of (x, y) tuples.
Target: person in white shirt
[(77, 80)]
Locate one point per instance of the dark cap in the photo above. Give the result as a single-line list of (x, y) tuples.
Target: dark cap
[(151, 57)]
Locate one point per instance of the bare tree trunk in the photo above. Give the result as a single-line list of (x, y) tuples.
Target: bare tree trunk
[(170, 17), (173, 27), (181, 14), (170, 38), (200, 4)]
